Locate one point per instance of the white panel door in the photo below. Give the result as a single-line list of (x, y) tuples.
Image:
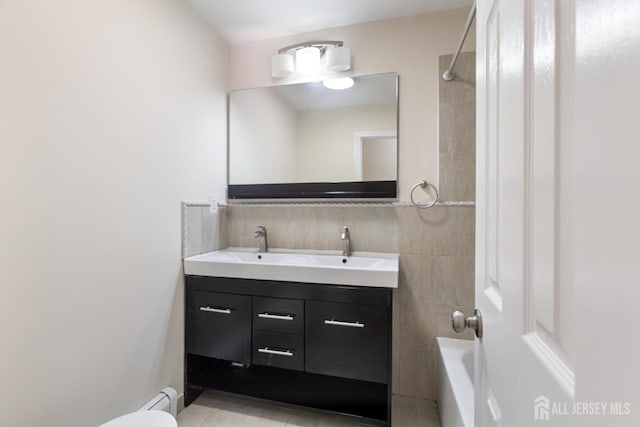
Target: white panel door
[(557, 95)]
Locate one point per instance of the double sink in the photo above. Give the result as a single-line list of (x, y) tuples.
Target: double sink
[(372, 269)]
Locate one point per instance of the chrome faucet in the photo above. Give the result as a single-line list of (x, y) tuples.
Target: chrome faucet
[(261, 233), (346, 241)]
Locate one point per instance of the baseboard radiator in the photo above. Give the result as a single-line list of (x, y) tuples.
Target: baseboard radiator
[(166, 400)]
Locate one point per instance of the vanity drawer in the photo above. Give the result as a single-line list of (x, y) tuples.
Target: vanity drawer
[(219, 325), (278, 315), (347, 340), (278, 350)]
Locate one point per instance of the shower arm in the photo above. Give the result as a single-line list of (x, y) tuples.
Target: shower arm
[(449, 75)]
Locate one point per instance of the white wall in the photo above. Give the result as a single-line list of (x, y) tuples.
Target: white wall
[(264, 145), (409, 46), (326, 140), (111, 113), (379, 158)]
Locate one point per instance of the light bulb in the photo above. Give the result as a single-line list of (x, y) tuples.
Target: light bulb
[(308, 60), (339, 83)]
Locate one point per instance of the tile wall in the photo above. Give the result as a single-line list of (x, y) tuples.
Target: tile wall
[(457, 129), (436, 245)]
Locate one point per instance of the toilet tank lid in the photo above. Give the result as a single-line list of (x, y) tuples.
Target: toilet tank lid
[(143, 419)]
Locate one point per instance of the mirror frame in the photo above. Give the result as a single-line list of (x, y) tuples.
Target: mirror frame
[(317, 190)]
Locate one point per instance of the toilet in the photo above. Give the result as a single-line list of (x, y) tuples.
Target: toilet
[(143, 419), (158, 412)]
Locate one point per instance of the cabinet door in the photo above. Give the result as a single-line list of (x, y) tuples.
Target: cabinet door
[(219, 325), (347, 340)]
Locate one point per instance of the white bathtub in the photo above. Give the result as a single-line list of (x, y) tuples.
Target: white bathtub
[(455, 382)]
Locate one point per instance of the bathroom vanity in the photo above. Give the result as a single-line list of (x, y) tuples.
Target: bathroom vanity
[(304, 342)]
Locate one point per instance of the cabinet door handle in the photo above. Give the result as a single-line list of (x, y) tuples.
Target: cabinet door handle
[(275, 316), (216, 310), (339, 323), (267, 350)]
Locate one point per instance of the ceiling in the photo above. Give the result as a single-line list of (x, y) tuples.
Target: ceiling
[(240, 21)]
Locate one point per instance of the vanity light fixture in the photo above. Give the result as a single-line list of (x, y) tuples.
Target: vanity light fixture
[(338, 83), (308, 58)]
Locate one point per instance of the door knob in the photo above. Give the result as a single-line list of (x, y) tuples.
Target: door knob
[(460, 322)]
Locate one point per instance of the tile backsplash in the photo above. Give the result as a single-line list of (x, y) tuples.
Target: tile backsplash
[(202, 231)]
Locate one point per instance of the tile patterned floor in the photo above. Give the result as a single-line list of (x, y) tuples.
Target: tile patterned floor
[(213, 409)]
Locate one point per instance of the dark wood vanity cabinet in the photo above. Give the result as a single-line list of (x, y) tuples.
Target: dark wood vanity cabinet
[(324, 346)]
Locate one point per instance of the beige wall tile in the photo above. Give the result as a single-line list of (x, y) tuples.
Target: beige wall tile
[(193, 231), (238, 221), (417, 326), (404, 412), (446, 144), (417, 374), (456, 129), (416, 319), (328, 223), (395, 369), (425, 231), (412, 412), (464, 85), (374, 229), (223, 231), (426, 278), (447, 178), (463, 234), (463, 127), (464, 171), (463, 281), (445, 128), (428, 415), (445, 89), (210, 229), (299, 227)]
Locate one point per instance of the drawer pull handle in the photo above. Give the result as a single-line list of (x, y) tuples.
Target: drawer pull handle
[(267, 350), (339, 323), (275, 316), (216, 310)]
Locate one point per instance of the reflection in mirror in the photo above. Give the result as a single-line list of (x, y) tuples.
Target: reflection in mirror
[(307, 133)]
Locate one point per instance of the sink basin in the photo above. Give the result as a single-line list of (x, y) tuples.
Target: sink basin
[(329, 267)]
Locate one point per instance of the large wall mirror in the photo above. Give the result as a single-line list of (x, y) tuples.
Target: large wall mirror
[(307, 141)]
